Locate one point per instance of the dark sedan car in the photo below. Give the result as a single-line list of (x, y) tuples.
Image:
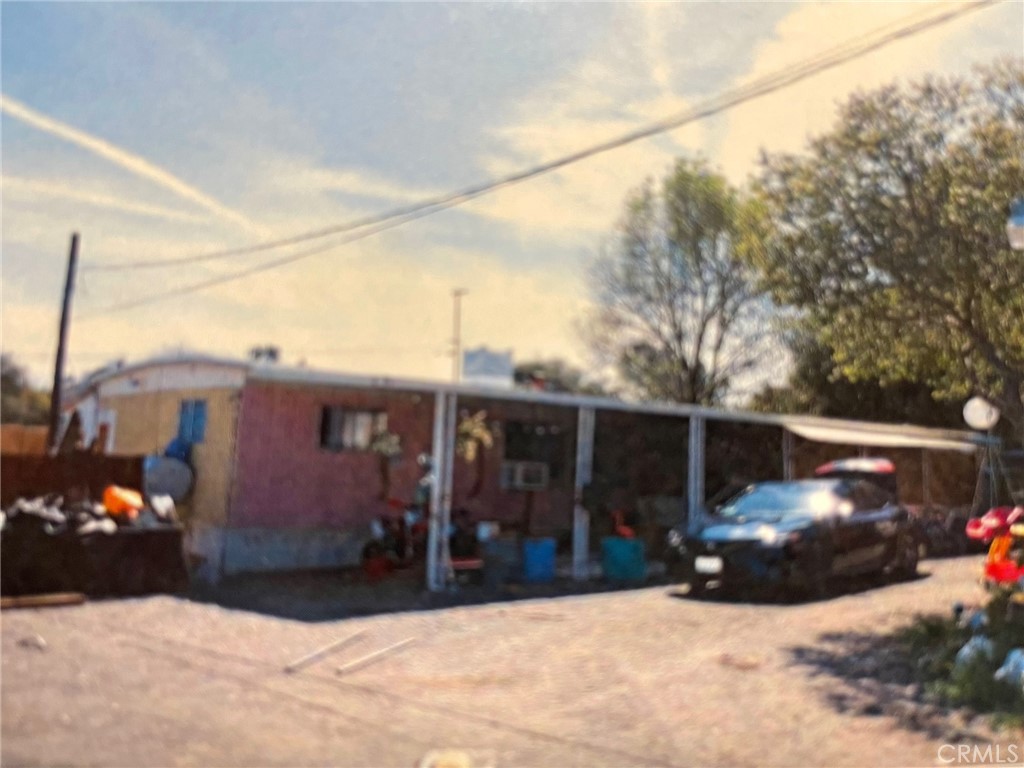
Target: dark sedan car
[(798, 534)]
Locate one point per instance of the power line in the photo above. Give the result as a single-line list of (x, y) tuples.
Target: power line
[(375, 224), (819, 62)]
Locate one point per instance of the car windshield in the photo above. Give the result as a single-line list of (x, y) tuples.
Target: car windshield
[(774, 500)]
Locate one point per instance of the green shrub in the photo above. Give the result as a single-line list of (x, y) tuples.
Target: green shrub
[(931, 644)]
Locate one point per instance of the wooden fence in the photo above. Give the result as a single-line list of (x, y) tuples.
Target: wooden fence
[(31, 476)]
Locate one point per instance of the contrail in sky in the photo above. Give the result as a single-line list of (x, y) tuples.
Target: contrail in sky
[(30, 189), (127, 160)]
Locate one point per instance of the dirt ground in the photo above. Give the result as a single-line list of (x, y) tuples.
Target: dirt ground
[(639, 677)]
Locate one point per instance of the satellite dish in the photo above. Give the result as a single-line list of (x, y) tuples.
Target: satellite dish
[(979, 413), (163, 475)]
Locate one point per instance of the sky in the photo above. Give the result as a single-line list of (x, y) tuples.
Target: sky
[(160, 131)]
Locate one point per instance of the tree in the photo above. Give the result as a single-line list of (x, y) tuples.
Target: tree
[(555, 376), (889, 235), (677, 312), (815, 388), (19, 402)]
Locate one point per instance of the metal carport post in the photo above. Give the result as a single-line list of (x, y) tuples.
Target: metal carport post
[(695, 471), (584, 474), (443, 461)]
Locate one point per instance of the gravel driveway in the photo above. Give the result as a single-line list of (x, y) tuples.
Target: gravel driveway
[(642, 677)]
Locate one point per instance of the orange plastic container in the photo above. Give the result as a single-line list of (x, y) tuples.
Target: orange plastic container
[(122, 502)]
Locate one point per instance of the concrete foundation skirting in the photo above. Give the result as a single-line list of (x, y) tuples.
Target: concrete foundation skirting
[(253, 550), (220, 552)]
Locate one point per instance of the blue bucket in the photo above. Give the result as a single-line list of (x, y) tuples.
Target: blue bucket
[(501, 562), (539, 560), (623, 560)]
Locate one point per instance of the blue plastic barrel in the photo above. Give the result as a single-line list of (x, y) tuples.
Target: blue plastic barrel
[(623, 560), (539, 560), (501, 562)]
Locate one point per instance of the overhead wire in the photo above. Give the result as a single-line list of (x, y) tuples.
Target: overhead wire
[(371, 225)]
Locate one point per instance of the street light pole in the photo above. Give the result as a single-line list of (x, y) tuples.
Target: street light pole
[(457, 295)]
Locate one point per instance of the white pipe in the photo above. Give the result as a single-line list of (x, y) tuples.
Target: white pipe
[(375, 655), (298, 664)]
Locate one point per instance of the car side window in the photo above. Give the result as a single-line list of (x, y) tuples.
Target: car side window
[(868, 497)]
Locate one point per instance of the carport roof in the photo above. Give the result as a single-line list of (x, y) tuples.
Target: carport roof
[(816, 428)]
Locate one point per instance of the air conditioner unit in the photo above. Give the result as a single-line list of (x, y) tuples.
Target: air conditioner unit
[(524, 475)]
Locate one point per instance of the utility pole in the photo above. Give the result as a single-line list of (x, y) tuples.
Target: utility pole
[(457, 295), (58, 367)]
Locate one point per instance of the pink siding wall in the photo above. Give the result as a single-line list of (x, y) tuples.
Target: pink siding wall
[(284, 479)]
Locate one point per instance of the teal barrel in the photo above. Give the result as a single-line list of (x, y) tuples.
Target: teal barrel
[(623, 560)]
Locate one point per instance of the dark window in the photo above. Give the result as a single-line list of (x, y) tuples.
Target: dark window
[(868, 497), (342, 429), (545, 443), (192, 421)]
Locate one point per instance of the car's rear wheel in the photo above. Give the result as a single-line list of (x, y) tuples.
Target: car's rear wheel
[(907, 557)]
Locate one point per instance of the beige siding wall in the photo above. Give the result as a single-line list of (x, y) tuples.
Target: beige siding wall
[(147, 421)]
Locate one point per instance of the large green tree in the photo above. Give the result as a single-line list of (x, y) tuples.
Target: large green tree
[(676, 311), (815, 387), (19, 402), (888, 233)]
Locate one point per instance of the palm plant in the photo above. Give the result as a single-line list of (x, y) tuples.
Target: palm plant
[(472, 438), (387, 446)]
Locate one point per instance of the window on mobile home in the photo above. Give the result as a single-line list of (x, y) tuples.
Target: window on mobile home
[(342, 429), (544, 443)]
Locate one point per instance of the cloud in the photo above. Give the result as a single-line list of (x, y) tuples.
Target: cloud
[(128, 161), (383, 305), (37, 191), (344, 311), (784, 121), (311, 178), (604, 97)]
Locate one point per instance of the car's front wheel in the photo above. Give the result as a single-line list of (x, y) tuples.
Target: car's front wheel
[(816, 572), (698, 587)]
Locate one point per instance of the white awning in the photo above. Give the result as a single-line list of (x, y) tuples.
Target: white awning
[(879, 439)]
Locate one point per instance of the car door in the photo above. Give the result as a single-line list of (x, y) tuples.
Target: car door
[(846, 535), (872, 520)]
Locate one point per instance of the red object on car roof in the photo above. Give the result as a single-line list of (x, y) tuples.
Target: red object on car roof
[(875, 466)]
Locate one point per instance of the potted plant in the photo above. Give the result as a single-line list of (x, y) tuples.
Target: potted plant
[(387, 446)]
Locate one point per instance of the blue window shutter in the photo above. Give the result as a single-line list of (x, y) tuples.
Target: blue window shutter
[(199, 421), (192, 421), (185, 421)]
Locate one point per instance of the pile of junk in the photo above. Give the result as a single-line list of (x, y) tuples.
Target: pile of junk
[(123, 544), (1003, 529)]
